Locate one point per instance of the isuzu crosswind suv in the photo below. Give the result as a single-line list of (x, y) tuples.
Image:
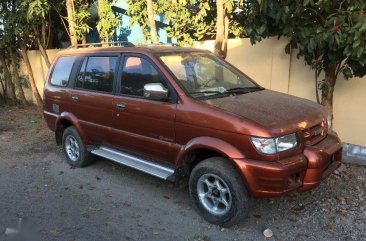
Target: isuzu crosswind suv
[(179, 113)]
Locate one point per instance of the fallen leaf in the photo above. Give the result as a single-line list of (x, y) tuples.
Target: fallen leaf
[(299, 208), (257, 215), (125, 204), (329, 226), (55, 232), (93, 209)]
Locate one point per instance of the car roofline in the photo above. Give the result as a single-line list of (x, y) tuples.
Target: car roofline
[(152, 49)]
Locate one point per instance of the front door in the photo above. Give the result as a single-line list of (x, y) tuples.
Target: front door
[(142, 126)]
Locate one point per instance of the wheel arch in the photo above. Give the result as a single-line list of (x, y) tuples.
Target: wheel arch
[(64, 121), (201, 148)]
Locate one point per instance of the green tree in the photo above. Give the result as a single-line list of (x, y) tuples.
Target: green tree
[(24, 38), (8, 47), (137, 10), (108, 21), (39, 18), (82, 15), (77, 17), (330, 35), (191, 20)]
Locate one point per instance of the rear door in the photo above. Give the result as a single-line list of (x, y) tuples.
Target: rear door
[(92, 96), (142, 126)]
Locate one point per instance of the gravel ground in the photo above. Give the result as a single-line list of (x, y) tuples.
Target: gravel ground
[(110, 202)]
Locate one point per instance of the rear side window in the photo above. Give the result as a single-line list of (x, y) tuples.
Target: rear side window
[(62, 70), (97, 73)]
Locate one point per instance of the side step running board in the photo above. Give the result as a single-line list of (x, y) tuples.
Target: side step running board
[(134, 162)]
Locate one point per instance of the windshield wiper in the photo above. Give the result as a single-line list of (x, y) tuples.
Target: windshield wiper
[(206, 92), (245, 89), (212, 93)]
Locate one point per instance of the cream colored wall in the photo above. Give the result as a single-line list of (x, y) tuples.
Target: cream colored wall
[(39, 70), (269, 65)]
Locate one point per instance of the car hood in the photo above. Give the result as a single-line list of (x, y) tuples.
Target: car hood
[(271, 109)]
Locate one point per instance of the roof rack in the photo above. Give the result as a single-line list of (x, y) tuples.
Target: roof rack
[(106, 44)]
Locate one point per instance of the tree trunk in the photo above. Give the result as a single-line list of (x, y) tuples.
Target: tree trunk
[(9, 86), (44, 54), (220, 29), (103, 40), (84, 40), (32, 82), (327, 97), (226, 24), (3, 90), (70, 16), (50, 37), (2, 97), (18, 85), (151, 15), (144, 40), (43, 33), (42, 49)]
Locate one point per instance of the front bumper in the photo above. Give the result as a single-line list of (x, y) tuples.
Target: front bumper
[(300, 172)]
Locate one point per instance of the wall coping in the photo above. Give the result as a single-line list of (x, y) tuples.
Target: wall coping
[(354, 154)]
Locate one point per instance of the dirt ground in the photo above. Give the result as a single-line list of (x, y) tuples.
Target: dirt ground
[(107, 201)]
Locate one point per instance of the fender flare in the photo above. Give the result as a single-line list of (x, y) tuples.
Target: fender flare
[(74, 121), (224, 148)]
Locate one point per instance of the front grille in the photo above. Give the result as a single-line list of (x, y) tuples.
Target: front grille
[(315, 134)]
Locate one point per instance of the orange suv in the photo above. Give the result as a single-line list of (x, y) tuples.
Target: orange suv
[(177, 112)]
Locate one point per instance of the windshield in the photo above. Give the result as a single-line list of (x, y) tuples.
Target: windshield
[(204, 75)]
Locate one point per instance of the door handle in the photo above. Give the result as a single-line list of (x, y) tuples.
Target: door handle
[(74, 98), (120, 106)]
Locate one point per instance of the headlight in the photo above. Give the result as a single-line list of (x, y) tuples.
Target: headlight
[(275, 145), (264, 145), (286, 142)]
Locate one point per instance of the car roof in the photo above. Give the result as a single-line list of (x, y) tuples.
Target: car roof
[(154, 49)]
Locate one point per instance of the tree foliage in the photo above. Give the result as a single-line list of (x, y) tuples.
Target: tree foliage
[(325, 32), (108, 21), (137, 10), (187, 20), (330, 35), (81, 17)]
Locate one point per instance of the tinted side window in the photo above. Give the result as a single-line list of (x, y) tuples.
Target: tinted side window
[(62, 70), (136, 73), (97, 73)]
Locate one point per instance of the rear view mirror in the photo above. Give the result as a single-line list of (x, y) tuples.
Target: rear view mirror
[(155, 91)]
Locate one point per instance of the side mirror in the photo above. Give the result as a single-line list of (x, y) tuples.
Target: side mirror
[(155, 91)]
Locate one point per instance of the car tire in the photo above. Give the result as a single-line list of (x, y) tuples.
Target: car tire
[(218, 192), (74, 148)]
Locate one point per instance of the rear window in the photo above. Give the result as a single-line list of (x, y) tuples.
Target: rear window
[(97, 73), (62, 70)]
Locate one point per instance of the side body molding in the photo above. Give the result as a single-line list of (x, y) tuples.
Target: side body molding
[(210, 143)]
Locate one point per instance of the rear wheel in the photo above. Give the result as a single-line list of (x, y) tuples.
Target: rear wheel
[(218, 192), (75, 150)]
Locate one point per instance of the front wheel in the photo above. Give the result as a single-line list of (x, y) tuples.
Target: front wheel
[(218, 192)]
